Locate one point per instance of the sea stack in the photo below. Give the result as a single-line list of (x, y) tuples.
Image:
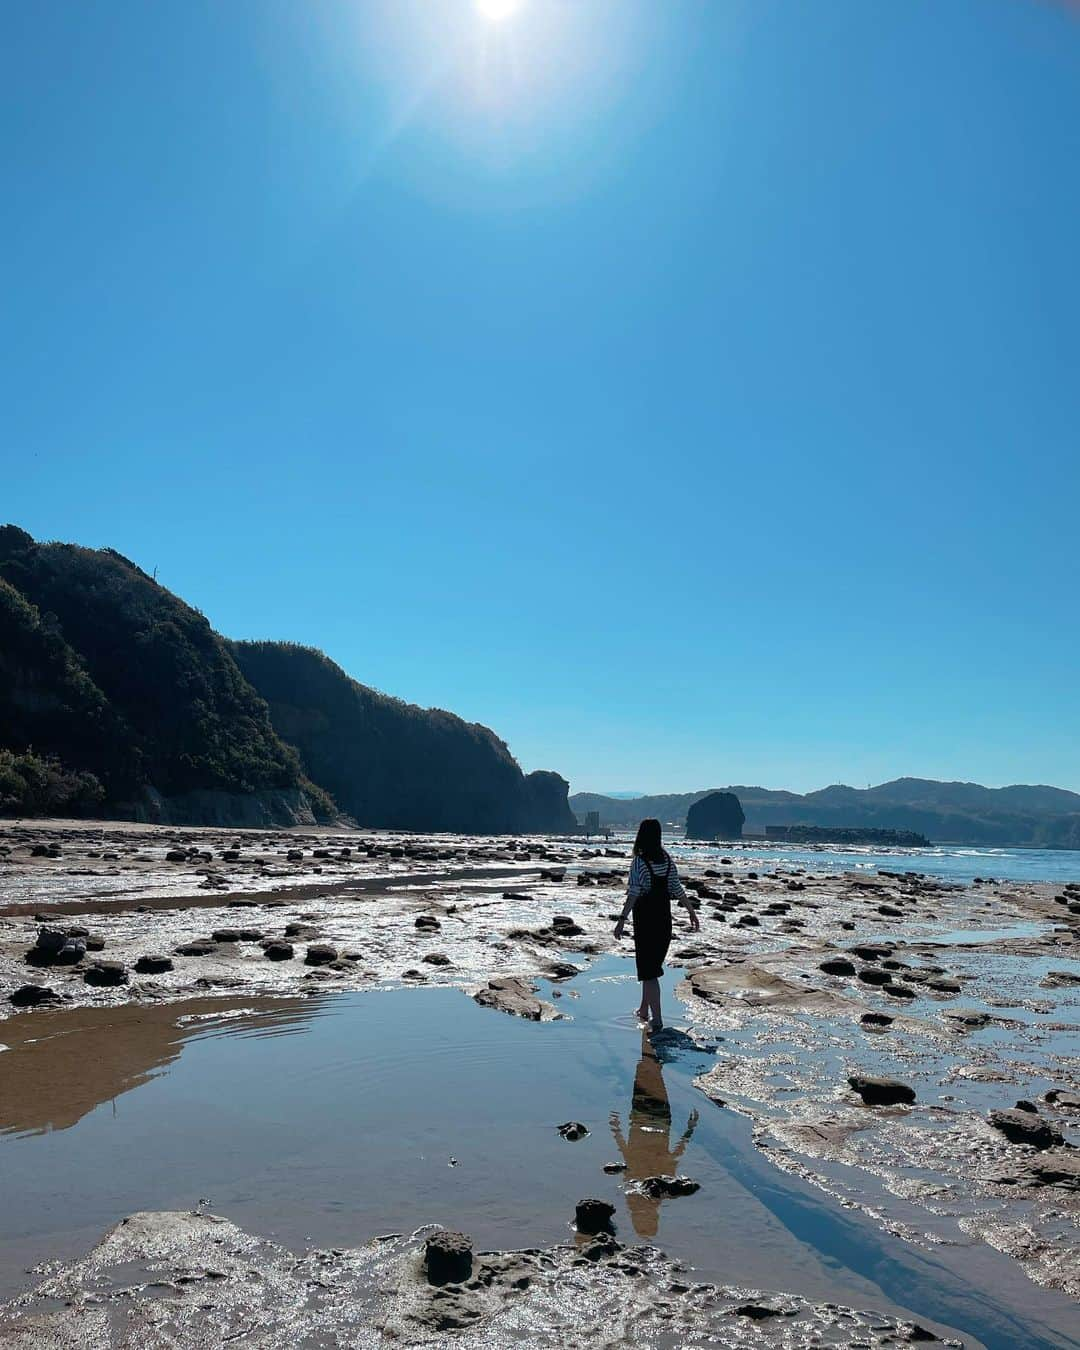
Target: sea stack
[(717, 816)]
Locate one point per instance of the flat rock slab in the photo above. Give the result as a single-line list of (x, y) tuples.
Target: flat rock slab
[(754, 985), (512, 994)]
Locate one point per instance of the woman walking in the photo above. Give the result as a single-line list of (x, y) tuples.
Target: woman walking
[(654, 883)]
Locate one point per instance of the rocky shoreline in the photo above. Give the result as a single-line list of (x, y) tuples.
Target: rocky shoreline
[(907, 1045)]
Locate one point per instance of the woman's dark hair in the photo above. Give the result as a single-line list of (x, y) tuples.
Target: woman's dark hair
[(648, 842)]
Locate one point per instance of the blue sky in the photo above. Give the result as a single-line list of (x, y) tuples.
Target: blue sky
[(686, 389)]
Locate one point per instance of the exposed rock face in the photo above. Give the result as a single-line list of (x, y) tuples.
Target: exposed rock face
[(393, 764), (717, 816)]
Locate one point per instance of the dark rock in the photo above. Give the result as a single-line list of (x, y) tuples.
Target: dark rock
[(573, 1130), (871, 953), (71, 953), (153, 965), (33, 995), (436, 959), (106, 974), (717, 816), (1024, 1105), (837, 966), (748, 921), (593, 1216), (1021, 1127), (428, 923), (320, 954), (1062, 1097), (876, 1019), (176, 855), (236, 935), (614, 1167), (898, 991), (49, 942), (279, 951), (757, 1312), (667, 1187), (448, 1257), (562, 970), (201, 947), (890, 911), (871, 975), (943, 986), (881, 1091)]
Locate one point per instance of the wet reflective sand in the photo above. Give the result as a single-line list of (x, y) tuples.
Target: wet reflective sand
[(331, 1119)]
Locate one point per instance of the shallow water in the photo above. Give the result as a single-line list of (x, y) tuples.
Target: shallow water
[(958, 862), (329, 1119)]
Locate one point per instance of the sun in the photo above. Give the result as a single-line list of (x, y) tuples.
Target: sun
[(496, 11)]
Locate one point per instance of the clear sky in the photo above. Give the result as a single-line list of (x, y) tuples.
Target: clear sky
[(688, 389)]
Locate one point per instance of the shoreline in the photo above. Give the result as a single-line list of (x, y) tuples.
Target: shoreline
[(790, 1034)]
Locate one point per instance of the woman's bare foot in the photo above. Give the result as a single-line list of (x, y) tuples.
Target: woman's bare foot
[(656, 1024), (642, 1014)]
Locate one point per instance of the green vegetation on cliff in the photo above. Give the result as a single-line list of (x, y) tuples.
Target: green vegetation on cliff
[(117, 696), (112, 674), (391, 763)]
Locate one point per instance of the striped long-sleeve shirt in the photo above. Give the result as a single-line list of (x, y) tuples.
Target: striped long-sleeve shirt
[(640, 881)]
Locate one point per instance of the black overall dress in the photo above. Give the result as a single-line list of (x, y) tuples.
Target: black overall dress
[(652, 924)]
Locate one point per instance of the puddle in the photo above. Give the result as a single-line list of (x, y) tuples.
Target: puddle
[(329, 1119)]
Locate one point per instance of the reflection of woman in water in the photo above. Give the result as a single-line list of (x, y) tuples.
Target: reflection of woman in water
[(648, 1152), (654, 882)]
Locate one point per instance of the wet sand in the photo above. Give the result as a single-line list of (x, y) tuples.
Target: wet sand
[(766, 1032)]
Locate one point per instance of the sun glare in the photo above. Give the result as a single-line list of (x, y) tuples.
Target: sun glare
[(495, 11)]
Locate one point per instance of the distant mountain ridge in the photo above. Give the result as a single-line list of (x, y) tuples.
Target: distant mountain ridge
[(119, 699), (1034, 816)]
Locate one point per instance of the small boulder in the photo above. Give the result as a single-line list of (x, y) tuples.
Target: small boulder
[(33, 996), (153, 964), (573, 1130), (876, 1019), (593, 1216), (320, 954), (200, 947), (279, 951), (106, 974), (837, 965), (877, 1091), (664, 1188), (1021, 1127), (872, 975)]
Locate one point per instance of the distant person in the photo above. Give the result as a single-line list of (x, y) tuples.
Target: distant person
[(654, 882), (648, 1152)]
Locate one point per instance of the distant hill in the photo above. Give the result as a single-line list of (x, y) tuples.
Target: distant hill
[(963, 813), (118, 698), (393, 764)]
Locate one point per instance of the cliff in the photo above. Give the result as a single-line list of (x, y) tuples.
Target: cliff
[(118, 698), (393, 764)]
